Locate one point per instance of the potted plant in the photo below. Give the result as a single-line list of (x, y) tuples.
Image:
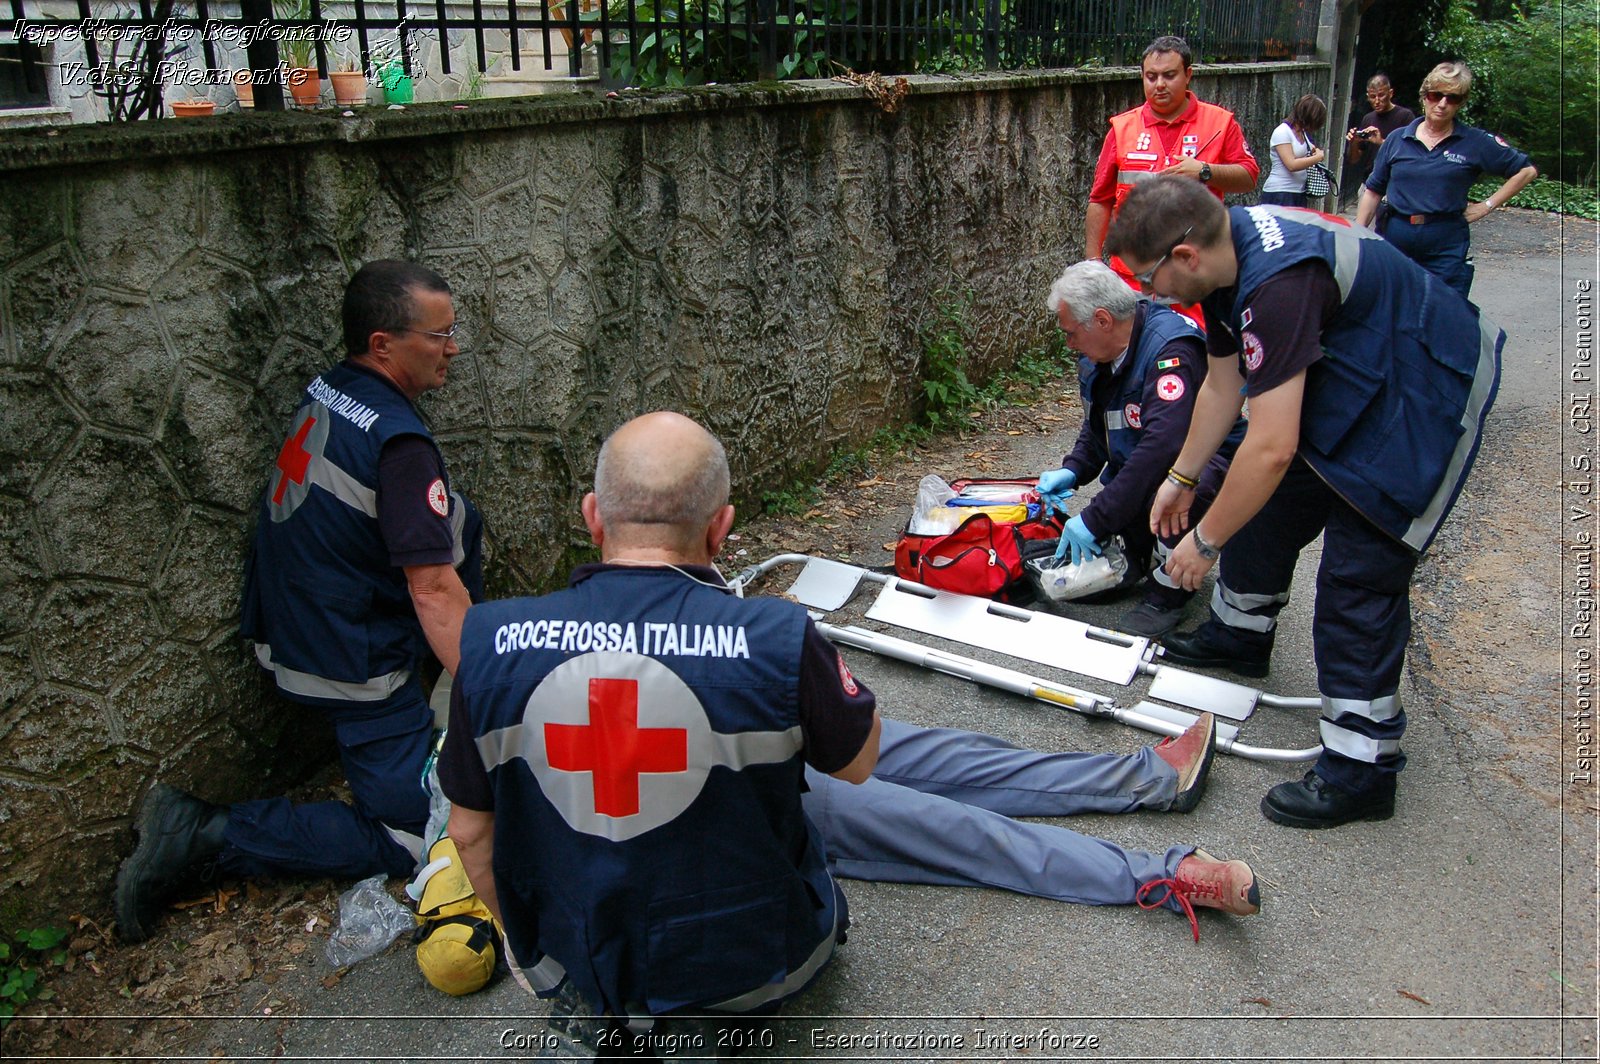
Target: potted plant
[(302, 79), (349, 82), (192, 108), (244, 87), (389, 70)]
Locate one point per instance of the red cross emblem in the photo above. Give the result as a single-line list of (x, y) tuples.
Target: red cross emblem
[(1131, 415), (1170, 387), (614, 748), (293, 460)]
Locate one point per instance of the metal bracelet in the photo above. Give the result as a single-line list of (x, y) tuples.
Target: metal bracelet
[(1206, 550)]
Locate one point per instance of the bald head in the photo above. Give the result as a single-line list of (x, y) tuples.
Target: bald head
[(660, 483)]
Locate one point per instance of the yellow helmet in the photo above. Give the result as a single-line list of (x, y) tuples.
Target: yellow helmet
[(457, 937)]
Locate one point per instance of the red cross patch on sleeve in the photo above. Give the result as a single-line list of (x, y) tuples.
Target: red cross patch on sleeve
[(1253, 350), (438, 498), (846, 681), (1170, 387)]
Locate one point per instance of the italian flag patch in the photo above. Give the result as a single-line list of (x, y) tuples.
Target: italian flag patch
[(1167, 363)]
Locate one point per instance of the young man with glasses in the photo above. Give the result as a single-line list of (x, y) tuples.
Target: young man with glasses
[(1365, 419), (364, 561)]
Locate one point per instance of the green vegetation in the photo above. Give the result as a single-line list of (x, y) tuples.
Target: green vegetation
[(953, 401), (1533, 78), (24, 960), (1546, 194), (949, 395), (700, 41)]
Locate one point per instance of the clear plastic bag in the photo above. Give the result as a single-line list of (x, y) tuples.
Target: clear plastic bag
[(369, 919), (1062, 581), (933, 517)]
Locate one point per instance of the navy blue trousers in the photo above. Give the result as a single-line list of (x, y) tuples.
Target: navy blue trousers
[(1360, 625), (1438, 247), (383, 748)]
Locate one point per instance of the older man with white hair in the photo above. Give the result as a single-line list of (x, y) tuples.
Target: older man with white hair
[(1141, 368)]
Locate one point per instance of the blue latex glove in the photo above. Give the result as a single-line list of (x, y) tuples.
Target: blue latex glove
[(1077, 537), (1055, 488)]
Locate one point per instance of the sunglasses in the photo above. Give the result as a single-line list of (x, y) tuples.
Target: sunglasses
[(1453, 98)]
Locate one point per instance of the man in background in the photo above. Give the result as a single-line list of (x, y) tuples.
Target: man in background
[(1363, 140), (1172, 132)]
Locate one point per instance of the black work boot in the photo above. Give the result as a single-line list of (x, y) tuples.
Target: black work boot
[(178, 836), (1314, 802), (1199, 649)]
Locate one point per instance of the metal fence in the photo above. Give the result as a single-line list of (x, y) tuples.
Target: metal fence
[(645, 42)]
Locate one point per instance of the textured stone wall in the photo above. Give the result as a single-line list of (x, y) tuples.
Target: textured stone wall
[(761, 259)]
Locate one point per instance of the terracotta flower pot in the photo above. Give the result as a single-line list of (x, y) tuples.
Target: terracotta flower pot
[(305, 85), (192, 108), (349, 87), (244, 88)]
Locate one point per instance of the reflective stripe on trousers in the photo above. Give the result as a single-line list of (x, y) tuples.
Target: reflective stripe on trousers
[(1257, 613)]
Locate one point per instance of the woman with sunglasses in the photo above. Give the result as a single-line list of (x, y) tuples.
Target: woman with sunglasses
[(1427, 171)]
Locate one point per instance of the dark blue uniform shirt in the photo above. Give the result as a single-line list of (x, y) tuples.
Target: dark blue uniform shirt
[(1419, 181)]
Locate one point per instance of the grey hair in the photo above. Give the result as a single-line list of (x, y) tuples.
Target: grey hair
[(1087, 285), (633, 486)]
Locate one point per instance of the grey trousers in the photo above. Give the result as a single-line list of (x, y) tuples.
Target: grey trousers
[(938, 810)]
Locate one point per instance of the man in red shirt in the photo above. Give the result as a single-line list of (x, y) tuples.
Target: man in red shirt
[(1172, 133)]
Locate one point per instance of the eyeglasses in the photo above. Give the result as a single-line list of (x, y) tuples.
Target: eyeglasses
[(448, 334), (1148, 276), (1452, 98)]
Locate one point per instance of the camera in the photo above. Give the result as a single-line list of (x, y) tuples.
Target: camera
[(1363, 134)]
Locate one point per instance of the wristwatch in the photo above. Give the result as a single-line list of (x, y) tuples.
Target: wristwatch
[(1205, 173), (1207, 551)]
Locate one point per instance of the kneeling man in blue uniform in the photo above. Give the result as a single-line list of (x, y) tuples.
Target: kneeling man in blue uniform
[(363, 563), (1368, 380), (628, 762), (1141, 369)]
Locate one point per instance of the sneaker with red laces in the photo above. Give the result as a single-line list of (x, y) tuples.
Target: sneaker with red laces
[(1190, 754), (1203, 880)]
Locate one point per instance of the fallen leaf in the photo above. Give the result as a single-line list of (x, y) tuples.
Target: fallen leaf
[(1263, 1002), (1013, 432), (891, 545), (874, 482), (1413, 997), (331, 981)]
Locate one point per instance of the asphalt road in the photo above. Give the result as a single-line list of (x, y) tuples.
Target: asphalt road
[(1462, 929)]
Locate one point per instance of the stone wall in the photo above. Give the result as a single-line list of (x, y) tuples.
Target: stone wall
[(760, 258)]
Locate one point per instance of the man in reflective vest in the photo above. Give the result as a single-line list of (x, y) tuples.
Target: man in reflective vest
[(653, 781), (1368, 381), (1141, 368), (362, 563), (1172, 132)]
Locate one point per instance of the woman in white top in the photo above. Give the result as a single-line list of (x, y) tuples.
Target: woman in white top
[(1294, 153)]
